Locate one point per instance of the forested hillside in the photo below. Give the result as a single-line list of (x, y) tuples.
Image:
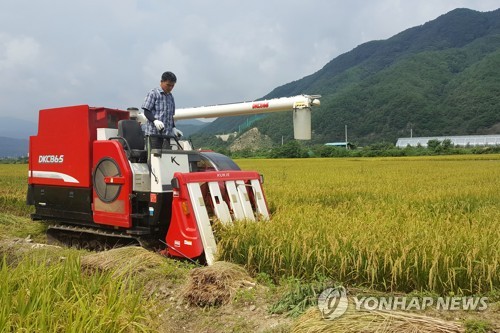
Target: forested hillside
[(440, 78)]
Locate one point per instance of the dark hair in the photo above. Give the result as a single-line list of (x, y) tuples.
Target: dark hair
[(169, 76)]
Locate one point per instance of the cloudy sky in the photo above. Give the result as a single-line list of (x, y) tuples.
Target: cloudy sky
[(111, 52)]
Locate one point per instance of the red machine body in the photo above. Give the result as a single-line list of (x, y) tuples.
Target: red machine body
[(61, 153), (116, 212), (61, 160)]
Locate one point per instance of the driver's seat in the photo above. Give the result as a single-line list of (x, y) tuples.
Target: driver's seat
[(131, 133)]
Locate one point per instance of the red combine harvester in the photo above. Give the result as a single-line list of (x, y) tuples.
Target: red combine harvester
[(93, 177)]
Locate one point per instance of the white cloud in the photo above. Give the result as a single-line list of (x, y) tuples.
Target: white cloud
[(18, 52), (166, 56), (110, 53)]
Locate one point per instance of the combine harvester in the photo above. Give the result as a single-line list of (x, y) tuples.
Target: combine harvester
[(93, 177)]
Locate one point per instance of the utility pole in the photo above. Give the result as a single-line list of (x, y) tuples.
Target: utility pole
[(346, 137), (410, 125)]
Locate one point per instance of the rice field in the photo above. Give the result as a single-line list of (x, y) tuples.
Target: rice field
[(13, 185), (392, 224)]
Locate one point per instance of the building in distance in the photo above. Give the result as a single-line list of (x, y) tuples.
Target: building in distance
[(463, 140)]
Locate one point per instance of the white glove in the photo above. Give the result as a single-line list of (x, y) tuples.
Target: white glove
[(177, 132), (159, 125)]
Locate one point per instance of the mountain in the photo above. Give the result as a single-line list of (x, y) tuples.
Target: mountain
[(190, 126), (17, 128), (14, 135), (440, 78), (10, 147)]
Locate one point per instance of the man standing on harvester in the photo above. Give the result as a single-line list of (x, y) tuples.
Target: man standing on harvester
[(159, 109)]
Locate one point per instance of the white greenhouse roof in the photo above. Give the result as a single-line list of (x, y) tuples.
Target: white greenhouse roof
[(463, 140)]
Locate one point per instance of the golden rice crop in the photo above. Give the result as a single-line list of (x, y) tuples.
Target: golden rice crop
[(395, 224), (56, 297), (13, 185)]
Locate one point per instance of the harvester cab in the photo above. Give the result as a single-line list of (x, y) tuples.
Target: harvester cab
[(95, 178)]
